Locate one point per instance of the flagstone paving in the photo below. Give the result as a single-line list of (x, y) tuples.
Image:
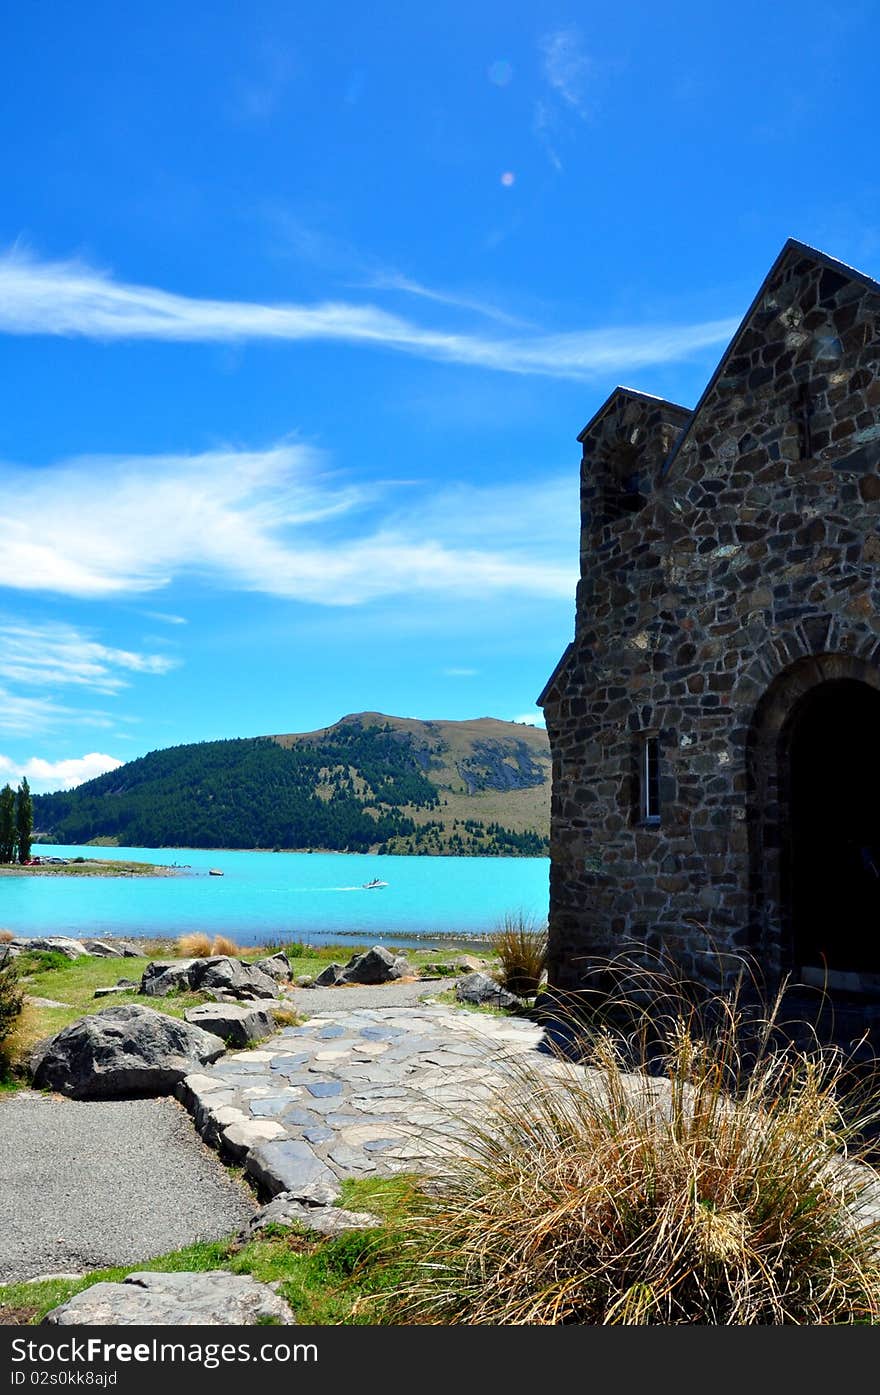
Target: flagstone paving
[(356, 1091)]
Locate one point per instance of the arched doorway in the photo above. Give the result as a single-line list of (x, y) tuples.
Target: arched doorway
[(830, 786)]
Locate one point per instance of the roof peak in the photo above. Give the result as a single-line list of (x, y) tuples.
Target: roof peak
[(621, 391), (791, 245)]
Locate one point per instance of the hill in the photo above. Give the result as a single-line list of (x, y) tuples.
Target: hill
[(367, 783)]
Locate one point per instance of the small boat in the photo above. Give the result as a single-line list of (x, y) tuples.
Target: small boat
[(376, 882), (214, 872)]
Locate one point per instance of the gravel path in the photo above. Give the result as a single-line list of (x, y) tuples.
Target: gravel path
[(88, 1184), (314, 1000)]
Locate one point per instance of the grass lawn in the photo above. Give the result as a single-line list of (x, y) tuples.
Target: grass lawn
[(326, 1282)]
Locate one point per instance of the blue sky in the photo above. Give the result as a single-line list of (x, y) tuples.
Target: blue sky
[(302, 308)]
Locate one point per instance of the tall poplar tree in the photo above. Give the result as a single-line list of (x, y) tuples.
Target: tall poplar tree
[(7, 824), (24, 820)]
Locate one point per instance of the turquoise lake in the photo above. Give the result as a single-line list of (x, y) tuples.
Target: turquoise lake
[(266, 896)]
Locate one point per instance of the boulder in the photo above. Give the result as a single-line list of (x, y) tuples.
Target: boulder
[(481, 989), (164, 976), (112, 992), (211, 1299), (231, 976), (122, 1051), (376, 965), (305, 981), (60, 944), (329, 977), (101, 949), (468, 964), (235, 1025), (277, 966), (218, 974)]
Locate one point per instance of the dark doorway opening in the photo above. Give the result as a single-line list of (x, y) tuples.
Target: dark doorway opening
[(832, 743)]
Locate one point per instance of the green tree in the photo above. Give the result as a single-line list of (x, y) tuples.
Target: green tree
[(24, 820), (7, 824)]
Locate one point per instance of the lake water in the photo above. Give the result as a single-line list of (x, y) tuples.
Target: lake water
[(264, 896)]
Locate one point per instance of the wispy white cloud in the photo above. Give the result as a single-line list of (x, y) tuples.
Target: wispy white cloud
[(396, 281), (276, 522), (24, 715), (567, 67), (58, 655), (72, 299), (44, 776), (164, 618)]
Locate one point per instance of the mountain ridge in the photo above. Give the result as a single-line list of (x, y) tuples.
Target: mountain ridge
[(368, 782)]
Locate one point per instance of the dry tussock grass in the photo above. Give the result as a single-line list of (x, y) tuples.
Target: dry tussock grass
[(195, 946), (223, 946), (522, 949), (717, 1183)]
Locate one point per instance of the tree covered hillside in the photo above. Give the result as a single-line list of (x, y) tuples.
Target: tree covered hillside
[(354, 787)]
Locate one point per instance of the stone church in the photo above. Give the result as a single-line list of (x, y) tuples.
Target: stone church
[(715, 723)]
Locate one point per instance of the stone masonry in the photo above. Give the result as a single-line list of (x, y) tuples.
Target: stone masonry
[(729, 578)]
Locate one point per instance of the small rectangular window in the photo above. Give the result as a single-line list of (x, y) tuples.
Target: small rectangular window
[(650, 779)]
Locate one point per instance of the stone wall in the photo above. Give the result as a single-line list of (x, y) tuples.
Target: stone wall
[(728, 563)]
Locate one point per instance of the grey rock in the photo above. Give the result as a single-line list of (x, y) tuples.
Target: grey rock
[(212, 1299), (217, 974), (324, 1089), (480, 988), (351, 1159), (269, 1106), (376, 965), (287, 1165), (112, 992), (60, 944), (233, 1024), (240, 1135), (285, 1210), (305, 981), (102, 950), (126, 983), (164, 976), (329, 977), (44, 1002), (231, 976), (128, 949), (469, 964), (277, 966), (122, 1051)]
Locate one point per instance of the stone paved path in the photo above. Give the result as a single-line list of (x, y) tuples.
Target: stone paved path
[(356, 1091)]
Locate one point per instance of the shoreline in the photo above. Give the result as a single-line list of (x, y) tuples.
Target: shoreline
[(89, 867)]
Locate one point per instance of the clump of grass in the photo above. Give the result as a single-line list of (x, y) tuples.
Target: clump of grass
[(731, 1186), (522, 950), (195, 946), (222, 945), (284, 1017), (6, 936), (11, 995)]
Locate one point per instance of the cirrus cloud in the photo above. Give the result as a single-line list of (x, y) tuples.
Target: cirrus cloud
[(69, 298), (273, 521)]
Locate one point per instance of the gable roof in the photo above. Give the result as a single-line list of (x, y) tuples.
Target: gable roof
[(792, 245), (633, 393), (542, 697)]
